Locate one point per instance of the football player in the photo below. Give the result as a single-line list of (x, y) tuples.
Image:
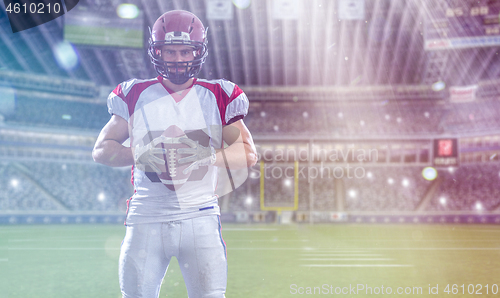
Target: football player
[(177, 125)]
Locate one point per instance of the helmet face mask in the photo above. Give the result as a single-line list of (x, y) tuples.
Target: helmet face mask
[(178, 28)]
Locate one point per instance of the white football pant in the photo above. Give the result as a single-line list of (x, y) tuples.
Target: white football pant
[(196, 243)]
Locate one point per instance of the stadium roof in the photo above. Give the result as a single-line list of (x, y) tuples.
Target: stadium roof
[(254, 48)]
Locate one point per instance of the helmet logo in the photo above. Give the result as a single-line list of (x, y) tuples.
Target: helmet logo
[(177, 36)]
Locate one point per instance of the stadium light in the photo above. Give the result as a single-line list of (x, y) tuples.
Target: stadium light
[(287, 182), (369, 175), (14, 182), (442, 200), (390, 181), (242, 4), (65, 55), (438, 86), (353, 193), (263, 114), (479, 206), (405, 182), (101, 197), (127, 11), (248, 201), (429, 173)]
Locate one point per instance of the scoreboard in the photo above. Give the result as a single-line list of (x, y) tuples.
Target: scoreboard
[(454, 24), (445, 152)]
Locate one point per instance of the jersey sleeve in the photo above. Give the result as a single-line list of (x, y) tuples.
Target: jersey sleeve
[(237, 107), (117, 103)]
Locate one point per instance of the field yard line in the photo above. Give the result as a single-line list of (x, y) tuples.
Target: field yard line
[(249, 229), (378, 248), (58, 239), (476, 230), (427, 240), (62, 248), (266, 240), (4, 260), (421, 248), (322, 250), (264, 248), (349, 259), (436, 248), (341, 255), (356, 265)]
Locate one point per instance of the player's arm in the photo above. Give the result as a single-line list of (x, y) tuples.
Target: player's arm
[(108, 148), (241, 151)]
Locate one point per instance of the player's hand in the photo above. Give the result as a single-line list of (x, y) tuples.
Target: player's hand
[(200, 155), (145, 156)]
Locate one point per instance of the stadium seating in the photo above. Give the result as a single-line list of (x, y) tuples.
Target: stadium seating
[(53, 186), (471, 187)]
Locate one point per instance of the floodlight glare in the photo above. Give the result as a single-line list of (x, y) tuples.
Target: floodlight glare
[(429, 173), (127, 11), (438, 86)]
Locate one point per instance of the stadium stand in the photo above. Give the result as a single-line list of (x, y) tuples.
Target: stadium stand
[(57, 113), (386, 189), (472, 187), (53, 186), (334, 119)]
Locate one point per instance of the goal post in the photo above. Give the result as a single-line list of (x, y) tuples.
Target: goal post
[(278, 207)]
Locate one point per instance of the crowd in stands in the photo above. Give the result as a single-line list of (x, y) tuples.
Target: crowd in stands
[(20, 194), (60, 114), (328, 119), (334, 119), (474, 187), (86, 187), (247, 196), (58, 186), (472, 117), (386, 189), (54, 186)]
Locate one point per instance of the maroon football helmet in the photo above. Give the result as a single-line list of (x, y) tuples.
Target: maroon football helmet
[(178, 27)]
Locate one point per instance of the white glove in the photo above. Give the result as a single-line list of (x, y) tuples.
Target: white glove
[(200, 155), (145, 156)]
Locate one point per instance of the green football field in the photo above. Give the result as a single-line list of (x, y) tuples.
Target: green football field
[(268, 261)]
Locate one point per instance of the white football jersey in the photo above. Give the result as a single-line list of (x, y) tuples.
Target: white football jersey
[(199, 112)]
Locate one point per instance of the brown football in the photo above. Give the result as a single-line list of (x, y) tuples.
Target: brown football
[(172, 176)]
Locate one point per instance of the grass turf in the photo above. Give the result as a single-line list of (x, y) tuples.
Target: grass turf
[(267, 261)]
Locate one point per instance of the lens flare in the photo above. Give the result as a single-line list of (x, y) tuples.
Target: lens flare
[(127, 11), (429, 173), (65, 55)]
